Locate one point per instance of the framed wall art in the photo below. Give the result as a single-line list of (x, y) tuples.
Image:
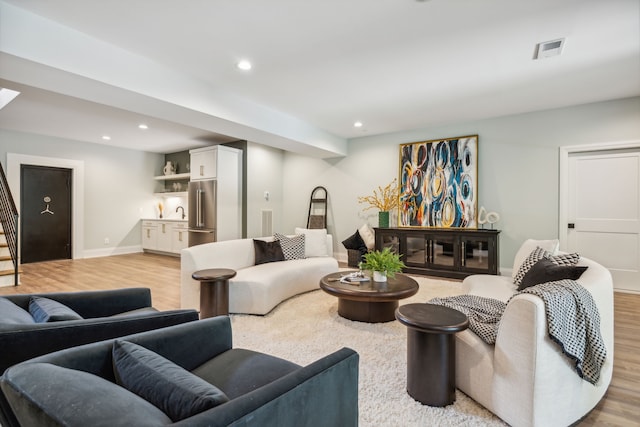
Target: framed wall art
[(439, 183)]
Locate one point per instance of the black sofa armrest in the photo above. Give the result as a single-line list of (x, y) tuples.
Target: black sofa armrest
[(24, 342), (324, 393), (93, 304)]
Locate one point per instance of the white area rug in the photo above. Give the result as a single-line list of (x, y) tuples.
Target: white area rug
[(307, 327)]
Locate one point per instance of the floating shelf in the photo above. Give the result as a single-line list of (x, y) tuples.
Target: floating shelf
[(174, 177)]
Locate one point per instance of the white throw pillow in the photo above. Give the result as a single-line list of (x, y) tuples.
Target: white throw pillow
[(315, 241), (369, 238), (529, 246)]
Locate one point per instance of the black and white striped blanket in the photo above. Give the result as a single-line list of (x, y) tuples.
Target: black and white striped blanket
[(572, 316)]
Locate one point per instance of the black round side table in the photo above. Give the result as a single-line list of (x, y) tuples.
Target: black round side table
[(214, 291), (431, 351)]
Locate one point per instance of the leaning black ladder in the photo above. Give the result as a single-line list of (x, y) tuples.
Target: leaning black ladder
[(317, 217)]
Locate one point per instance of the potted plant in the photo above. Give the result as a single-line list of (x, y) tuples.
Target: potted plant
[(383, 263)]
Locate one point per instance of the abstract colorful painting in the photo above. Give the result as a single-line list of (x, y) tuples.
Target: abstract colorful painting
[(439, 183)]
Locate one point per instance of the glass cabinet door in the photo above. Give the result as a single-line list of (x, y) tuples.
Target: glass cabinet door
[(416, 252), (475, 253), (392, 242), (442, 251)]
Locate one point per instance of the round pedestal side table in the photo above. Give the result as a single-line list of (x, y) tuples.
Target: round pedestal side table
[(431, 351), (214, 291)]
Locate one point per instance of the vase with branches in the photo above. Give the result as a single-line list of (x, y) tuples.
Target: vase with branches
[(384, 199)]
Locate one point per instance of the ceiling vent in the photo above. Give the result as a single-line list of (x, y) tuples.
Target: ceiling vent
[(548, 49)]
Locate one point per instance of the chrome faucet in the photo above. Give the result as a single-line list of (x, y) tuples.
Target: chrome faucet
[(180, 207)]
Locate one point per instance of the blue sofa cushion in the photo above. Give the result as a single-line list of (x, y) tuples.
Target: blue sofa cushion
[(12, 314), (145, 311), (52, 395), (47, 310), (239, 371), (173, 389)]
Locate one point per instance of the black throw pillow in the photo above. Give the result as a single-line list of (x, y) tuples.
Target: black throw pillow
[(354, 242), (267, 251), (545, 270)]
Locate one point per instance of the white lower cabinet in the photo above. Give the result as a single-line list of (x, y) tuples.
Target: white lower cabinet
[(164, 236), (180, 238)]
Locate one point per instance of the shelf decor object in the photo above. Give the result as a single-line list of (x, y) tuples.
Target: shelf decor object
[(384, 199), (439, 183)]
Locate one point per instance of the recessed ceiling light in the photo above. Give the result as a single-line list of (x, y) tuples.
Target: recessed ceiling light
[(106, 137), (357, 125), (143, 126), (244, 65)]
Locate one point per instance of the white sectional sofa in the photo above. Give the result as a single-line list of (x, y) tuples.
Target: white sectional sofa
[(256, 289), (524, 378)]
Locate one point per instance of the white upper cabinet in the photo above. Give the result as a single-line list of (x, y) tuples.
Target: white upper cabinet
[(203, 163)]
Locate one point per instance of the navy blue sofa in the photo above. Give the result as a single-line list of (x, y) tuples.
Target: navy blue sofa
[(262, 390), (105, 314)]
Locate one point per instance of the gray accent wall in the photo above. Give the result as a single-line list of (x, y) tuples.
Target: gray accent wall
[(518, 169)]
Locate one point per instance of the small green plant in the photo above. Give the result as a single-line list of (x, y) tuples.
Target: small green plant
[(385, 261)]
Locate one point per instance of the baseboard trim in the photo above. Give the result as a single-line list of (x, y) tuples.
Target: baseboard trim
[(118, 250)]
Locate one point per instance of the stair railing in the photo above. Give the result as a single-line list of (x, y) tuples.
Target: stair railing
[(9, 221)]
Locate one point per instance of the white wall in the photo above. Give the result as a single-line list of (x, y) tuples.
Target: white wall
[(264, 173), (118, 186), (518, 168)]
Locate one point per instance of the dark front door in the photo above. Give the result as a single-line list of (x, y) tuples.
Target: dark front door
[(45, 212)]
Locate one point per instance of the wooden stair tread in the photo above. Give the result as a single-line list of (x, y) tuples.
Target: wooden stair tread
[(9, 272), (5, 258)]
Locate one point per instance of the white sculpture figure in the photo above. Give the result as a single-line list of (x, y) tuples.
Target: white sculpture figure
[(487, 217), (482, 216), (169, 168)]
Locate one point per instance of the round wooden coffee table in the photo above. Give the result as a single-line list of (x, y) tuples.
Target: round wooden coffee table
[(431, 351), (371, 302)]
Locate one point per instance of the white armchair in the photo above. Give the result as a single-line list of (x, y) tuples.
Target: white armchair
[(525, 379)]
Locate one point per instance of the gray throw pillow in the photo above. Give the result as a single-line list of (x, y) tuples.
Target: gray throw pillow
[(171, 388), (13, 314), (47, 310)]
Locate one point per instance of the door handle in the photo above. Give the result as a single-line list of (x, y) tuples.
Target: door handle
[(571, 225), (201, 170), (199, 220), (163, 229)]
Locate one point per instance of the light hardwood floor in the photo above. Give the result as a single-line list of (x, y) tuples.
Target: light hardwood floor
[(620, 407)]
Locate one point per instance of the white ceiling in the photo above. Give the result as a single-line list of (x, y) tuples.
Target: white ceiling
[(393, 64)]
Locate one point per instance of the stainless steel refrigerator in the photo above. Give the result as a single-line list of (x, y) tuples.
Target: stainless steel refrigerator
[(202, 212)]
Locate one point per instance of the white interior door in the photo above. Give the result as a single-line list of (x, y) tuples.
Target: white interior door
[(603, 212)]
